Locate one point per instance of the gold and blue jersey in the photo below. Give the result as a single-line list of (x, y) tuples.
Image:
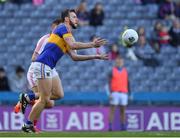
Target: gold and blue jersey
[(56, 47)]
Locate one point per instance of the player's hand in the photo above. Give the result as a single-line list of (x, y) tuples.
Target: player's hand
[(102, 57), (99, 42)]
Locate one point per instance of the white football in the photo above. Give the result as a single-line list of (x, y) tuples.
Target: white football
[(129, 37)]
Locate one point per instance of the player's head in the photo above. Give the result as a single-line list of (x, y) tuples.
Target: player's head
[(70, 17), (55, 23), (119, 62)]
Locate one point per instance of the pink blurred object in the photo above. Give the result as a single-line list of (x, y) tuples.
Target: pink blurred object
[(137, 1), (38, 2)]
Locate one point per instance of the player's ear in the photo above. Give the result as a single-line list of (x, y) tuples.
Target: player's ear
[(67, 19)]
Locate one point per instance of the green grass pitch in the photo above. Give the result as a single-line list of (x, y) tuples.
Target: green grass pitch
[(92, 134)]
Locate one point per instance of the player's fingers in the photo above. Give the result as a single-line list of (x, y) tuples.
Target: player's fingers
[(102, 41), (98, 38), (105, 57)]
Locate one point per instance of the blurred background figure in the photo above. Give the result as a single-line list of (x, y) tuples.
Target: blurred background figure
[(4, 84), (18, 81), (160, 36), (100, 50), (163, 35), (118, 87), (114, 52), (167, 10), (174, 33), (142, 36), (37, 2), (82, 13), (97, 15), (145, 53)]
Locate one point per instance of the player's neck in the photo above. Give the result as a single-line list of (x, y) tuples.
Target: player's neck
[(68, 26)]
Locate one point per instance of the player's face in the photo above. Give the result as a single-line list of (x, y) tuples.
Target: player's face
[(73, 20)]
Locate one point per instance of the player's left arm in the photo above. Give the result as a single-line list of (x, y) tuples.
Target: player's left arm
[(77, 57), (80, 45)]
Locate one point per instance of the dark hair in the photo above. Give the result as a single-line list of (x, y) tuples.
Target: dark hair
[(65, 13), (57, 21), (82, 1), (19, 69), (2, 69)]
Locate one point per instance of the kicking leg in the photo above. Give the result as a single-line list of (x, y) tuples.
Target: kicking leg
[(44, 87)]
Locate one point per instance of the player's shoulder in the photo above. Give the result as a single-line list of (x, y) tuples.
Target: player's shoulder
[(44, 36), (62, 28)]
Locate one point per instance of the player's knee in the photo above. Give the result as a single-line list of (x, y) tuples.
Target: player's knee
[(59, 95), (50, 104), (44, 100)]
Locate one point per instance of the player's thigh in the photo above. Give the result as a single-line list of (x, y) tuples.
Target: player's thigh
[(123, 99), (31, 77), (43, 74), (57, 88), (45, 87), (114, 99)]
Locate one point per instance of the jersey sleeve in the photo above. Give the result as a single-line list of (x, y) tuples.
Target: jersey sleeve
[(65, 33)]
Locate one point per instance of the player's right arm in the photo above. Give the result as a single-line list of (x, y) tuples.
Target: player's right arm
[(70, 41), (80, 45), (77, 57)]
